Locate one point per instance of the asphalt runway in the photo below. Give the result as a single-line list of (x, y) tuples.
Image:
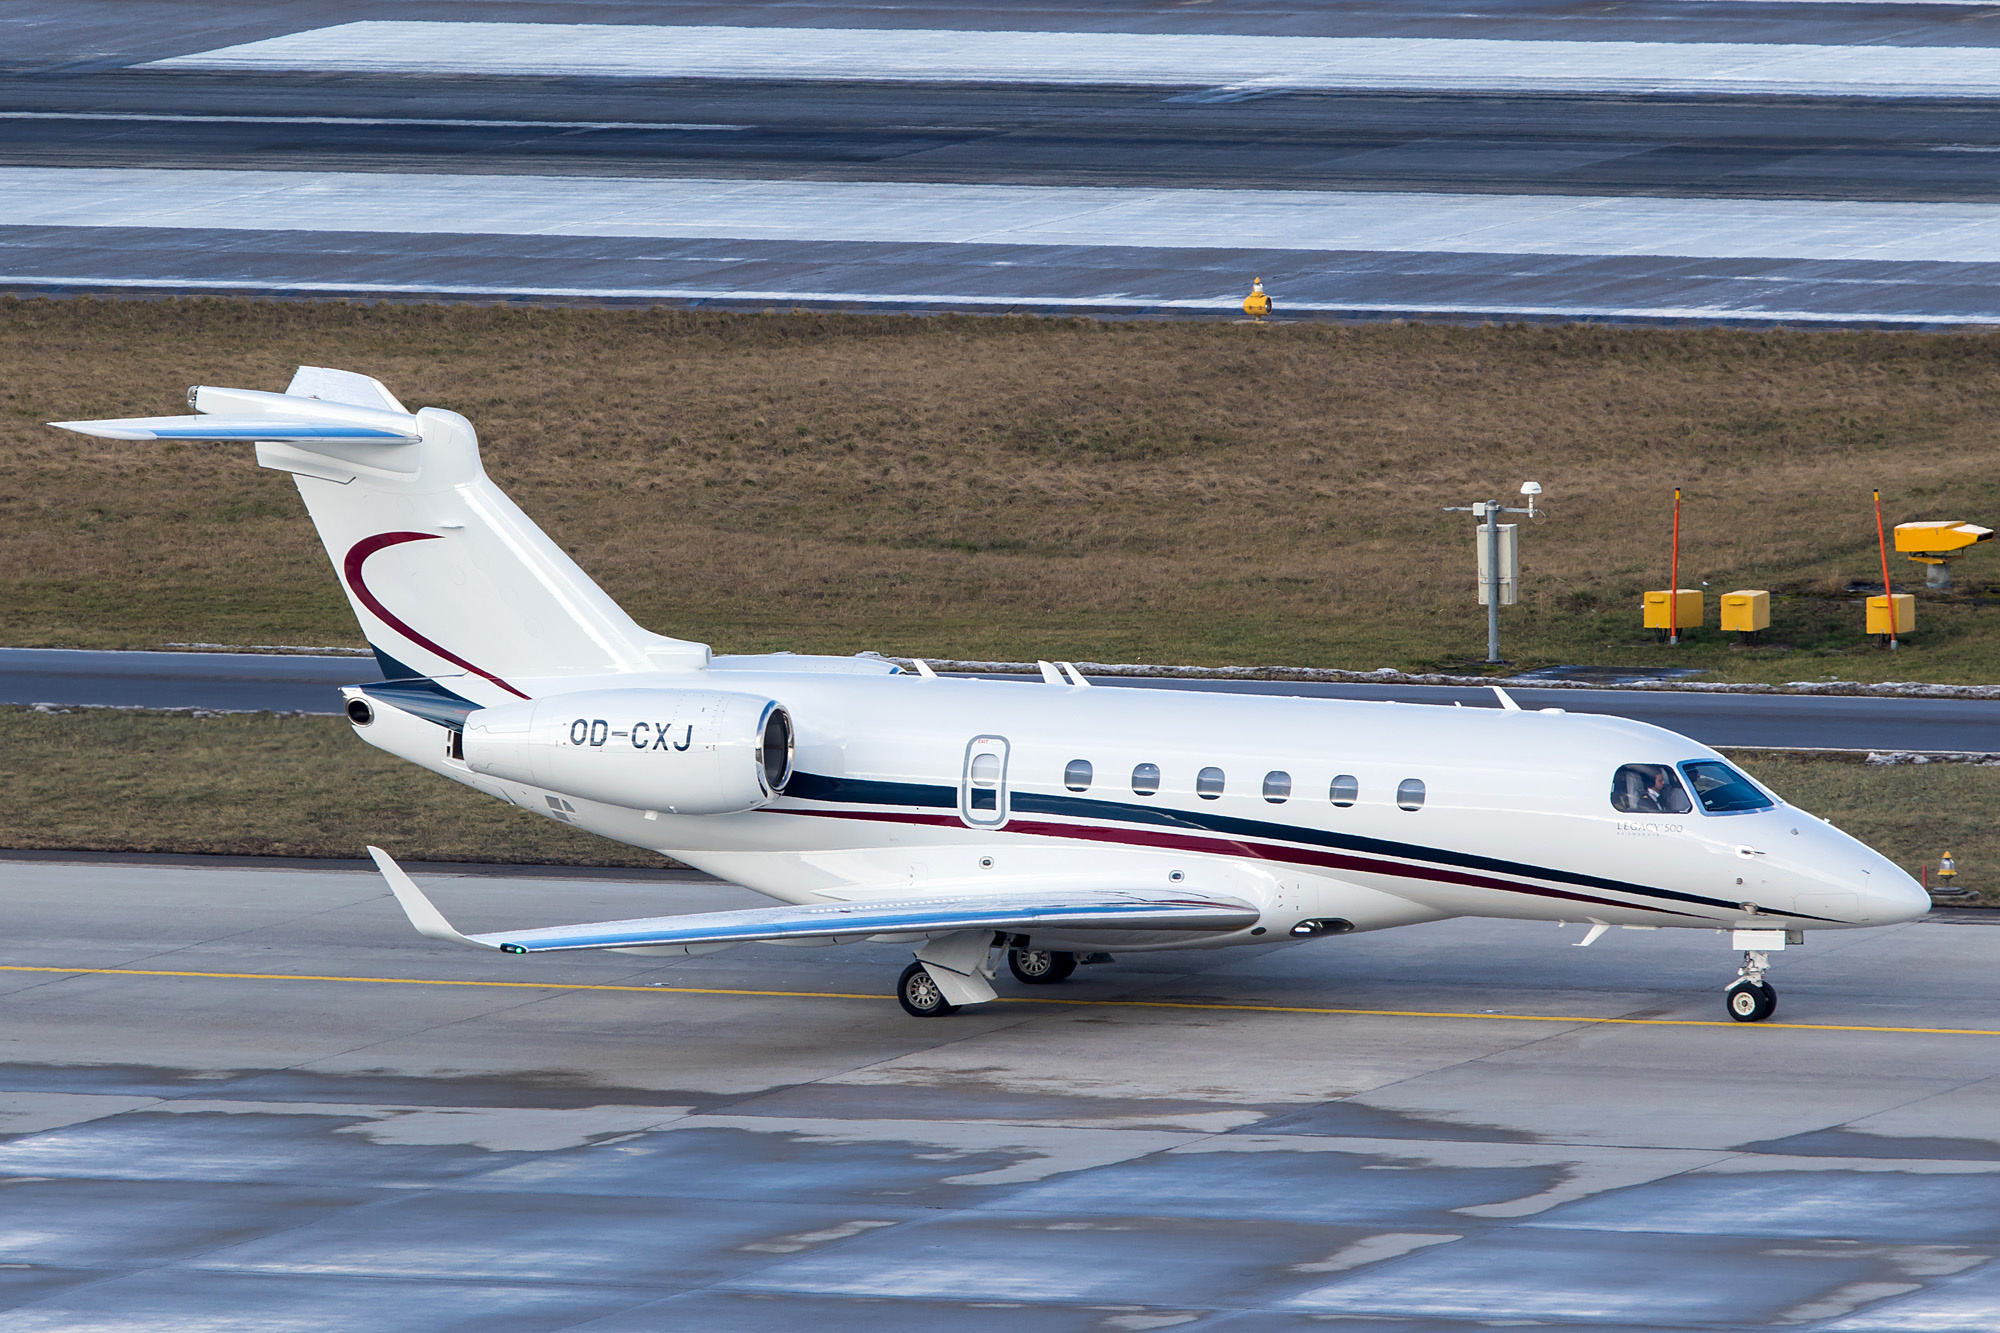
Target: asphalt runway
[(255, 1097), (80, 88), (308, 684), (43, 37)]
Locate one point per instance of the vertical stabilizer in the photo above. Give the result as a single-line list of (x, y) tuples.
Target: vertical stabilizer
[(447, 576)]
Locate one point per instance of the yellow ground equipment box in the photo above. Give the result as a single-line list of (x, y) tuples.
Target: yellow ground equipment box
[(1746, 611), (1878, 614), (1686, 616)]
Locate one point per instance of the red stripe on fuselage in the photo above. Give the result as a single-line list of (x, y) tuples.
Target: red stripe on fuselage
[(350, 568), (1184, 842)]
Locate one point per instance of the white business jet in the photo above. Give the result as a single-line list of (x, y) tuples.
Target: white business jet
[(1052, 822)]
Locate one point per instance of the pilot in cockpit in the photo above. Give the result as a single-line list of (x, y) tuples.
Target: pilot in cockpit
[(1648, 789)]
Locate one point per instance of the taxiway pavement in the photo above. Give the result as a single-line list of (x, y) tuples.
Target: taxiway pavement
[(254, 1096), (308, 684), (1759, 162)]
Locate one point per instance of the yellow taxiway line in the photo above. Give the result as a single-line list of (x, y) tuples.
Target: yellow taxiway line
[(1009, 999)]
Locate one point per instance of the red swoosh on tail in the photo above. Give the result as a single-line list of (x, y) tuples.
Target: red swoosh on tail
[(350, 568)]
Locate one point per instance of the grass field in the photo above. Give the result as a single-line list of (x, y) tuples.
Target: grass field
[(254, 785), (303, 786), (974, 488)]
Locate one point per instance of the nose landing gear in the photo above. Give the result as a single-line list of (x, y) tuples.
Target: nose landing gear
[(1750, 998)]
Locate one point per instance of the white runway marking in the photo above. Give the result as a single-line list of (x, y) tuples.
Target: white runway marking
[(196, 118), (1147, 59), (998, 214)]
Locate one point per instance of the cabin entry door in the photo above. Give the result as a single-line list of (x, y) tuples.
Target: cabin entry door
[(982, 784)]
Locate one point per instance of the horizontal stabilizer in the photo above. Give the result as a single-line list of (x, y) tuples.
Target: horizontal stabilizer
[(445, 574), (1026, 910), (240, 428)]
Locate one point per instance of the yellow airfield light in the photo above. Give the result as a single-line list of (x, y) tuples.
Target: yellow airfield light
[(1935, 541), (1258, 303)]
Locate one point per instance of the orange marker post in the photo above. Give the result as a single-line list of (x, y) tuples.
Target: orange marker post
[(1674, 582), (1888, 593)]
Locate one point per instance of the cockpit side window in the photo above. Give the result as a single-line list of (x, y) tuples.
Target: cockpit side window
[(1722, 790), (1648, 789)]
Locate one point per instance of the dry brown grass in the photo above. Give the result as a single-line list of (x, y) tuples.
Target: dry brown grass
[(1912, 814), (965, 487), (254, 785)]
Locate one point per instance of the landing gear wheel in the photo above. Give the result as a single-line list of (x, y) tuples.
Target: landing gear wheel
[(1040, 967), (920, 995), (1750, 1001)]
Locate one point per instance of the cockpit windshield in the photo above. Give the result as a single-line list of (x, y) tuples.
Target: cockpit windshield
[(1648, 789), (1722, 790)]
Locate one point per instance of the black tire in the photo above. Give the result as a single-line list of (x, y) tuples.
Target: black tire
[(1040, 967), (1770, 999), (920, 995), (1750, 1001)]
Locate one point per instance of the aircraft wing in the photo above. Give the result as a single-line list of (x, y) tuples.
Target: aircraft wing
[(1023, 910)]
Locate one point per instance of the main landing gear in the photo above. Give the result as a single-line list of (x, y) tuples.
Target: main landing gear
[(1040, 967), (1750, 998), (920, 995)]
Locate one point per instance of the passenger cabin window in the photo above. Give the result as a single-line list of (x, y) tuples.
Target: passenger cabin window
[(1410, 793), (1345, 790), (1648, 789), (1208, 784), (1076, 775), (1145, 779), (1722, 790), (1277, 787)]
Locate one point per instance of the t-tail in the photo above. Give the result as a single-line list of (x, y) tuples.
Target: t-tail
[(449, 579)]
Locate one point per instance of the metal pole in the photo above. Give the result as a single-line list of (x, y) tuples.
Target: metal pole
[(1888, 594), (1492, 581), (1674, 580)]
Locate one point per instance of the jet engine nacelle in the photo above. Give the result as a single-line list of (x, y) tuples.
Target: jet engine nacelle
[(687, 752)]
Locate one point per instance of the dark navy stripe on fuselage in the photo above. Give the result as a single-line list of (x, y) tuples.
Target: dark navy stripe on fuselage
[(814, 787)]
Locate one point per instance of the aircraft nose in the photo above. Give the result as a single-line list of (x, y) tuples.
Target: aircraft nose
[(1838, 868), (1893, 896)]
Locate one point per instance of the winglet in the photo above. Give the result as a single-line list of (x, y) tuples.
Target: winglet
[(430, 922), (1506, 699)]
